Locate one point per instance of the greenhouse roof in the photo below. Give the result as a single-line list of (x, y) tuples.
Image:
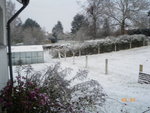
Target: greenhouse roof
[(32, 48)]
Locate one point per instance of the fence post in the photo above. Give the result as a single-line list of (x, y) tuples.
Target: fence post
[(65, 54), (106, 66), (79, 52), (59, 54), (99, 49), (73, 58), (86, 61), (130, 45), (49, 51), (115, 47), (141, 68), (143, 42)]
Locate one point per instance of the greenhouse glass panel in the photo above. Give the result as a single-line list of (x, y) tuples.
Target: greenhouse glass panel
[(28, 55), (23, 55), (40, 59), (34, 60), (28, 60), (40, 54), (13, 55), (34, 54), (17, 55)]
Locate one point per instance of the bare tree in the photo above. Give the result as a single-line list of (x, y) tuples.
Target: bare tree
[(125, 12), (33, 36), (94, 11), (15, 25)]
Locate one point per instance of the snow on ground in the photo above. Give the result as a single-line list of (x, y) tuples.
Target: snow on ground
[(122, 77)]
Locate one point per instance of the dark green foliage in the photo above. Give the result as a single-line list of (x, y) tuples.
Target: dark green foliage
[(57, 30), (139, 31), (29, 23), (108, 45), (77, 23)]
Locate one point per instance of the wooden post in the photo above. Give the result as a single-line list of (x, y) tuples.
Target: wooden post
[(143, 42), (130, 45), (86, 61), (59, 54), (49, 51), (115, 47), (141, 68), (65, 54), (79, 52), (99, 49), (73, 58), (106, 66)]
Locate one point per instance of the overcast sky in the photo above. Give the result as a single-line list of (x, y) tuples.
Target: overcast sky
[(48, 12)]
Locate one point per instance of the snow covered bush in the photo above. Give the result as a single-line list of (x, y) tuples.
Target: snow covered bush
[(65, 97), (106, 45), (25, 96), (53, 92)]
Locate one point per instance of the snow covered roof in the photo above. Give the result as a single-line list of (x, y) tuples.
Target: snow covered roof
[(33, 48)]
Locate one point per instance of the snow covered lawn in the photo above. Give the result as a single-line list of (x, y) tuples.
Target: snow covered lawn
[(122, 77)]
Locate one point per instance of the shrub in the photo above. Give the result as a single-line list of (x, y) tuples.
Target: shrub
[(52, 92), (106, 45), (23, 97), (65, 97)]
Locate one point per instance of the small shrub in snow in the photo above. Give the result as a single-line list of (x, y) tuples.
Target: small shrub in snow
[(24, 97), (52, 92), (79, 98)]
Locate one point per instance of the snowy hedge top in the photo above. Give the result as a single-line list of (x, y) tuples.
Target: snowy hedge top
[(98, 42)]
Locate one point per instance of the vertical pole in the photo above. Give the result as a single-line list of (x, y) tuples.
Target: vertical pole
[(59, 54), (143, 42), (86, 61), (106, 66), (79, 52), (141, 68), (9, 53), (73, 58), (130, 45), (98, 49), (65, 55), (115, 47), (49, 51)]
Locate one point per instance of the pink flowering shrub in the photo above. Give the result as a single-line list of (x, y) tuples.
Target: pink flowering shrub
[(26, 97), (52, 92)]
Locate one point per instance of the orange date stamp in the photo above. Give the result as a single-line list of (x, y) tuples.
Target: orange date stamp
[(128, 100)]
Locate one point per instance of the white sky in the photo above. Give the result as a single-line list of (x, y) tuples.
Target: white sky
[(48, 12)]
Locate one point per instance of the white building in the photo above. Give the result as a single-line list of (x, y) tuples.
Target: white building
[(27, 54), (3, 48)]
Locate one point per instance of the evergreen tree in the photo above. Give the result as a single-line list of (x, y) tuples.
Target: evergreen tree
[(77, 23), (29, 23), (32, 33), (57, 30)]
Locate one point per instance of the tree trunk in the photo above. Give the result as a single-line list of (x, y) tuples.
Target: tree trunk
[(94, 28), (123, 27)]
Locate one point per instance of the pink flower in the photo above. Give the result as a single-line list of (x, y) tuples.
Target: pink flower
[(1, 100)]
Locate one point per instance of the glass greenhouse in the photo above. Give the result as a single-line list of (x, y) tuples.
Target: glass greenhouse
[(27, 54)]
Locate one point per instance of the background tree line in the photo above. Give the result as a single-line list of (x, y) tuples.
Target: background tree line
[(27, 33), (101, 18)]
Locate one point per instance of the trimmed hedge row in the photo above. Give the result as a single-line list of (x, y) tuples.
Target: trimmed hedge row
[(101, 46)]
